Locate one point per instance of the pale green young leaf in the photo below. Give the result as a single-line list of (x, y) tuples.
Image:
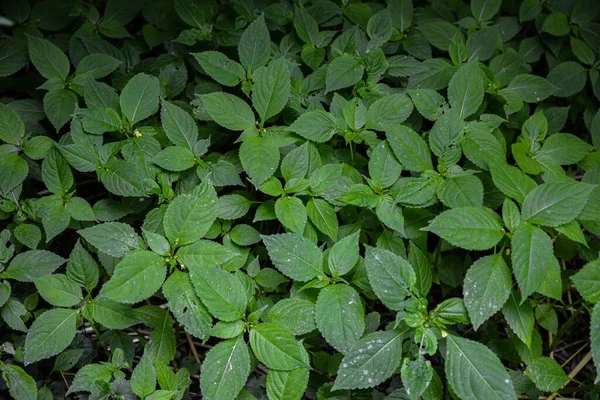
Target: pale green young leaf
[(254, 47), (318, 126), (555, 203), (292, 213), (295, 256), (225, 370), (221, 292), (139, 98), (468, 227), (180, 127), (391, 276), (372, 360), (474, 371), (340, 316), (48, 59), (587, 281), (532, 256), (259, 157), (486, 288), (185, 304), (547, 374), (323, 217), (271, 89), (189, 216), (59, 290), (465, 90), (113, 238), (287, 385), (50, 334), (220, 67), (275, 347), (519, 316), (136, 277)]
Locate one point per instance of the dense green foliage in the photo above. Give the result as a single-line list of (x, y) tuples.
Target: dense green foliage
[(251, 199)]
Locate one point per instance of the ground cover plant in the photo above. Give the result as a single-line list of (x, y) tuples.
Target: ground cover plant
[(299, 199)]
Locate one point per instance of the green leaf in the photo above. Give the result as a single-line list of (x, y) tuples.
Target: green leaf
[(220, 67), (547, 374), (13, 171), (259, 157), (519, 316), (465, 90), (137, 276), (323, 216), (484, 10), (342, 72), (225, 370), (445, 134), (569, 77), (20, 385), (122, 178), (254, 47), (474, 371), (221, 292), (59, 105), (344, 255), (59, 290), (204, 252), (410, 148), (232, 206), (295, 315), (139, 98), (143, 378), (82, 268), (56, 174), (175, 158), (100, 120), (189, 216), (587, 281), (48, 59), (438, 32), (185, 304), (162, 345), (384, 168), (50, 334), (292, 214), (428, 102), (372, 360), (555, 203), (28, 234), (340, 316), (461, 191), (295, 256), (389, 111), (33, 264), (11, 312), (511, 181), (229, 111), (14, 56), (271, 89), (180, 127), (391, 276), (277, 348), (565, 148), (468, 227), (111, 314), (113, 238), (12, 128), (287, 385), (416, 376), (532, 88), (556, 24), (595, 336), (318, 126), (486, 288), (86, 378), (97, 65), (532, 257)]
